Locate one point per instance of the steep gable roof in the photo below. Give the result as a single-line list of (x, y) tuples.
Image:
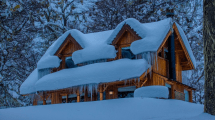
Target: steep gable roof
[(185, 45)]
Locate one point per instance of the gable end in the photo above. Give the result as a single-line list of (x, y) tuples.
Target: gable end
[(125, 28)]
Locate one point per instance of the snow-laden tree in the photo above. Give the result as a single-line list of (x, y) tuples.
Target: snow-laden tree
[(17, 58), (28, 27)]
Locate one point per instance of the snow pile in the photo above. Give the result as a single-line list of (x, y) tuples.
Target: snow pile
[(28, 86), (155, 33), (93, 74), (115, 109), (152, 92)]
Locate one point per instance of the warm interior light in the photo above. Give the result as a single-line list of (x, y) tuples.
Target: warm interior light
[(111, 92)]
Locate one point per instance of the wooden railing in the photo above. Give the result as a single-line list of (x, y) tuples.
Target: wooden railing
[(161, 67)]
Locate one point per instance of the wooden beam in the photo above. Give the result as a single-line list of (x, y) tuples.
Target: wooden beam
[(190, 96), (183, 46), (101, 95), (44, 102), (67, 98), (101, 92), (78, 95), (173, 91), (35, 102), (105, 87), (144, 82)]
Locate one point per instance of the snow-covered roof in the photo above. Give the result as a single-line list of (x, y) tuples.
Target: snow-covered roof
[(91, 43), (89, 74), (93, 74), (186, 43), (97, 45), (155, 33), (28, 86)]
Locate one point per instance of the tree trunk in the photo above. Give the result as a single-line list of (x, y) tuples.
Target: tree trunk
[(209, 55)]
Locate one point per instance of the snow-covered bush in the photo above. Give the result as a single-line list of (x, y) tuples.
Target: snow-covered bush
[(152, 92)]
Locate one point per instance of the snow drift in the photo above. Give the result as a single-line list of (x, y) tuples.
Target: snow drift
[(115, 109)]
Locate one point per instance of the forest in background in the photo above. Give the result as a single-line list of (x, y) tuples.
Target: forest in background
[(29, 27)]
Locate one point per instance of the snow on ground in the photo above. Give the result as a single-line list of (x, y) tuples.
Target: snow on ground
[(115, 109)]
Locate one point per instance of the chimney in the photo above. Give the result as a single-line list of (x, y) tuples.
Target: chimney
[(171, 48), (169, 13)]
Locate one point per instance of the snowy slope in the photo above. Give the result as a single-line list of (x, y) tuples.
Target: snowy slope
[(116, 109)]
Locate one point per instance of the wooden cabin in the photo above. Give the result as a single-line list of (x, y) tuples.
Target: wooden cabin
[(165, 70)]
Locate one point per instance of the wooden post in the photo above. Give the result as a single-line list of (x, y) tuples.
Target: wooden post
[(190, 96), (44, 98), (85, 95), (78, 96), (101, 95), (63, 62), (101, 92), (53, 98), (66, 98), (35, 102), (173, 91), (162, 52), (44, 102)]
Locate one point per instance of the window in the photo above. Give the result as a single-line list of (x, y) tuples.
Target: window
[(126, 92), (70, 63), (126, 53), (186, 95), (166, 52)]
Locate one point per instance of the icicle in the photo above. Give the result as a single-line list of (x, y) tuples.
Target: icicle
[(125, 82), (90, 89), (96, 88), (138, 80), (81, 89), (156, 60)]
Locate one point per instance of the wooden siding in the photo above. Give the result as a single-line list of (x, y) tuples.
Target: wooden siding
[(124, 39), (161, 67), (178, 68)]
